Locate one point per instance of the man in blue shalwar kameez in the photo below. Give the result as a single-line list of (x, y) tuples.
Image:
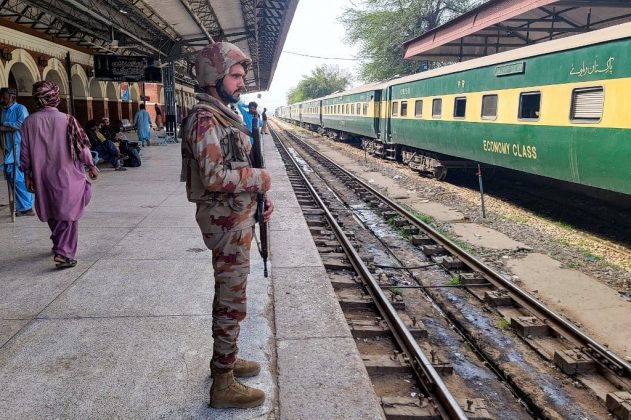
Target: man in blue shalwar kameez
[(142, 122), (11, 119), (248, 116)]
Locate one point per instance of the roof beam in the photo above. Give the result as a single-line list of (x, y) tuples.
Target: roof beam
[(199, 23), (104, 20)]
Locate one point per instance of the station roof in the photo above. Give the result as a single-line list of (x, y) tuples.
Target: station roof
[(502, 25), (173, 29)]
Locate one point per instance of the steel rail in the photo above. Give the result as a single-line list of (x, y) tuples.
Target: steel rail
[(419, 361), (609, 359)]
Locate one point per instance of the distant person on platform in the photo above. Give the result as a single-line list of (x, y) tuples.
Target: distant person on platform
[(12, 118), (221, 181), (159, 119), (264, 129), (55, 152), (248, 116), (142, 123)]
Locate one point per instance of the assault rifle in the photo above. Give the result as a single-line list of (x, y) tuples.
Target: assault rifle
[(258, 162)]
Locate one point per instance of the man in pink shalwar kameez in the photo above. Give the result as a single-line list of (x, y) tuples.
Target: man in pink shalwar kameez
[(54, 151)]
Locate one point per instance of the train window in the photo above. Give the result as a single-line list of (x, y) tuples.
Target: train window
[(437, 108), (529, 105), (489, 107), (460, 107), (366, 108), (395, 109), (404, 108), (587, 105), (418, 108)]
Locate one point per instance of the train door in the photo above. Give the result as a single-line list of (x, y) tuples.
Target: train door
[(320, 105), (376, 98), (385, 110)]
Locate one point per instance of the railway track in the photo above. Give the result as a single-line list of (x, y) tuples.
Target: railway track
[(554, 338)]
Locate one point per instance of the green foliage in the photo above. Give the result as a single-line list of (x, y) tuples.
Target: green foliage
[(380, 27), (503, 324), (322, 81), (455, 280)]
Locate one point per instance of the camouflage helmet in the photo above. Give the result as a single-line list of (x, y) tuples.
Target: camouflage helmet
[(215, 60)]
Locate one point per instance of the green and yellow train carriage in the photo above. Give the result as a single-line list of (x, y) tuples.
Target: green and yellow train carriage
[(352, 113), (311, 114), (560, 109)]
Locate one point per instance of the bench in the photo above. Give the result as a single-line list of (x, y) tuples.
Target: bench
[(126, 125)]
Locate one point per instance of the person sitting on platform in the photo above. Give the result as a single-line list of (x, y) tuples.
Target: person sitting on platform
[(104, 146), (106, 129)]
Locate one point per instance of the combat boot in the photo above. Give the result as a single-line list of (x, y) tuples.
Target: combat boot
[(242, 368), (227, 392)]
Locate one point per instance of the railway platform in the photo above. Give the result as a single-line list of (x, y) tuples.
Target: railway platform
[(126, 333)]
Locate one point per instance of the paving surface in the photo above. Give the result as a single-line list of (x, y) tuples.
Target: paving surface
[(126, 333)]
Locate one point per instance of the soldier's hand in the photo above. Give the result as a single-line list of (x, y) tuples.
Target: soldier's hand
[(269, 209)]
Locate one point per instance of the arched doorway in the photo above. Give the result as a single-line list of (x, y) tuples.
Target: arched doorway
[(135, 100), (82, 104), (21, 79), (99, 104), (113, 102)]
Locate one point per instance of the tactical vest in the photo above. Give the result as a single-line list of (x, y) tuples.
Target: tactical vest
[(232, 149)]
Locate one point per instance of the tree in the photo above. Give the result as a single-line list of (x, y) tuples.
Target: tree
[(380, 27), (323, 81)]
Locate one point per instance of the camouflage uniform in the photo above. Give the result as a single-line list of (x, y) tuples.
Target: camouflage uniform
[(220, 179)]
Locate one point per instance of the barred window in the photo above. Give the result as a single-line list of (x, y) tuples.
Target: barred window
[(587, 105), (366, 108), (437, 108), (395, 109), (489, 107), (418, 108), (529, 105), (404, 108), (460, 107)]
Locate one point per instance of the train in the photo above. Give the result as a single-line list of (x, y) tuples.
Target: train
[(559, 109)]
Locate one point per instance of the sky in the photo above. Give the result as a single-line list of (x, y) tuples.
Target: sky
[(314, 30)]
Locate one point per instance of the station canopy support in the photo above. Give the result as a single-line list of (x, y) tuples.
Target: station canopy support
[(170, 31)]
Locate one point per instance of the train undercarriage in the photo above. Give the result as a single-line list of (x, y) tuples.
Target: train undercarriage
[(422, 161)]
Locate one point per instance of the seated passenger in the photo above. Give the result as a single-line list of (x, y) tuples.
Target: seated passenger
[(106, 129), (106, 149), (126, 147)]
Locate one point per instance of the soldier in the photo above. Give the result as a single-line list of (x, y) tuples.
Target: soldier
[(221, 181)]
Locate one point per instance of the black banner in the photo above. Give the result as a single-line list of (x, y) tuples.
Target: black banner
[(119, 68)]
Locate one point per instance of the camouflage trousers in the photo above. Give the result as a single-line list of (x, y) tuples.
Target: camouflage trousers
[(231, 265)]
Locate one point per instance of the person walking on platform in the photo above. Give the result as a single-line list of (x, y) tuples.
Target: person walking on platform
[(264, 129), (142, 123), (220, 180), (12, 118), (159, 119), (55, 150)]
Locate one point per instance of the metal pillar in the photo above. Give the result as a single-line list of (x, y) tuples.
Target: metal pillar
[(168, 80), (70, 91)]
